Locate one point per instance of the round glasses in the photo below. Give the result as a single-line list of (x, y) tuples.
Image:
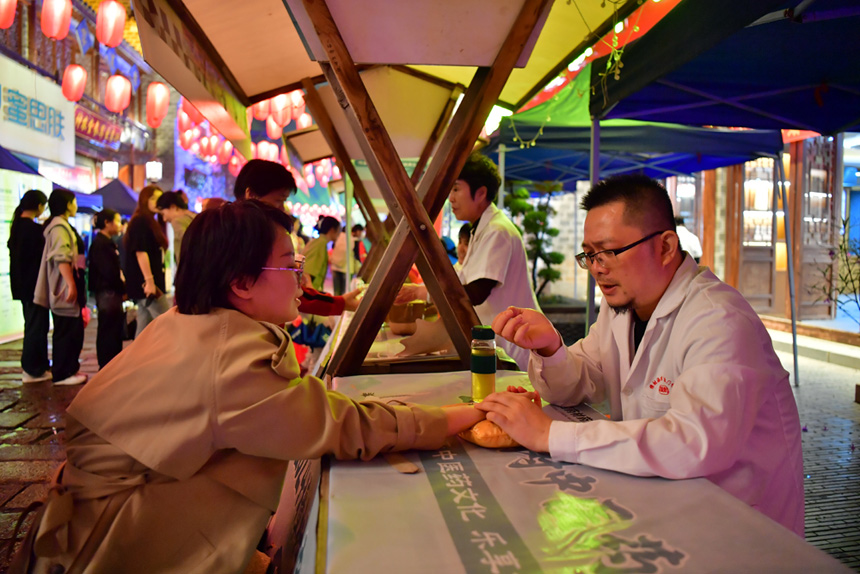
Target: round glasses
[(606, 258)]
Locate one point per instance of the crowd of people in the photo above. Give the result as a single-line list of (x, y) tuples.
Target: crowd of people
[(683, 364)]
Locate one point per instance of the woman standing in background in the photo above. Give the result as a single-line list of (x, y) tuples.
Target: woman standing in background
[(26, 244), (145, 244)]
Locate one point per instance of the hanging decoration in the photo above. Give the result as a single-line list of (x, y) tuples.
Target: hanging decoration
[(7, 13), (304, 121), (157, 103), (74, 82), (185, 139), (183, 122), (261, 110), (225, 153), (117, 93), (282, 109), (235, 166), (273, 130), (56, 18), (110, 23), (298, 98)]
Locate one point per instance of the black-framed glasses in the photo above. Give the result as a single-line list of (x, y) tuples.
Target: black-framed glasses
[(606, 258), (299, 269)]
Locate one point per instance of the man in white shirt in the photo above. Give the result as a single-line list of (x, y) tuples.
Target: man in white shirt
[(689, 242), (495, 272), (688, 370)]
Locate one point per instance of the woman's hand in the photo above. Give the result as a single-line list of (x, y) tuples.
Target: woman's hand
[(520, 415), (352, 299), (72, 294), (462, 417), (149, 288)]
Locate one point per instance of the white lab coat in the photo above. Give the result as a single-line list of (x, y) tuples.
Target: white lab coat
[(689, 242), (496, 252), (704, 396)]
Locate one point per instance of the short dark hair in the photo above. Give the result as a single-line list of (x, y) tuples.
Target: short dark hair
[(480, 171), (231, 242), (646, 202), (357, 227), (104, 216), (262, 178), (465, 232), (326, 224), (170, 199)]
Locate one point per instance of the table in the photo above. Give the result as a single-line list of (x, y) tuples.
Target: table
[(471, 509)]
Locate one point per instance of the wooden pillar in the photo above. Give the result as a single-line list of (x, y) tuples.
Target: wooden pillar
[(734, 222), (709, 217)]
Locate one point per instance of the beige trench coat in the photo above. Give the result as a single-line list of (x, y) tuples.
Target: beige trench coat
[(180, 446)]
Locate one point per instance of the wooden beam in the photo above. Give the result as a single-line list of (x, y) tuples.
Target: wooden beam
[(326, 126), (414, 229)]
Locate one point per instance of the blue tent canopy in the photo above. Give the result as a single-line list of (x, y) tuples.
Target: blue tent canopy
[(561, 132), (794, 68), (119, 197), (9, 161)]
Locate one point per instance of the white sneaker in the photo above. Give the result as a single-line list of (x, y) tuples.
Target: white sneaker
[(73, 380), (28, 378)]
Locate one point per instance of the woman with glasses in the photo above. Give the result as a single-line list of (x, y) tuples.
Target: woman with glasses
[(178, 448)]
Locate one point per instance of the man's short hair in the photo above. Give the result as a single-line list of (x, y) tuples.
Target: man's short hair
[(480, 171), (170, 199), (104, 216), (357, 227), (223, 245), (465, 233), (646, 202), (262, 178)]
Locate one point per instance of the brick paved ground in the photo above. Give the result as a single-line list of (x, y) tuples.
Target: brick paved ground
[(32, 426)]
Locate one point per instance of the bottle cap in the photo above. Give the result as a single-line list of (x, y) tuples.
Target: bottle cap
[(483, 332)]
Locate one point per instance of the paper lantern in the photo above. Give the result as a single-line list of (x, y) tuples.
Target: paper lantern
[(194, 148), (117, 93), (192, 112), (234, 166), (214, 146), (225, 152), (157, 102), (282, 109), (335, 172), (74, 82), (56, 18), (273, 130), (298, 99), (254, 150), (183, 122), (7, 13), (204, 146), (261, 110), (310, 179), (304, 121), (195, 133), (185, 139), (110, 23), (285, 159)]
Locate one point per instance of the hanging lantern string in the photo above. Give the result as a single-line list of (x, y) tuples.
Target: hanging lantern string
[(614, 63), (553, 104)]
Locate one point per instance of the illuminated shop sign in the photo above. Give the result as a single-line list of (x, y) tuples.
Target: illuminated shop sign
[(94, 127)]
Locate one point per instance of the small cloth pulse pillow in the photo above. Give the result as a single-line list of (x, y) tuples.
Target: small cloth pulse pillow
[(488, 435)]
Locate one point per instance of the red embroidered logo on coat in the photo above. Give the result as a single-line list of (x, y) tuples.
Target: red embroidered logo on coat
[(662, 384)]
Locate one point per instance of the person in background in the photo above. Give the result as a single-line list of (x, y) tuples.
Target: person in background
[(316, 252), (145, 244), (689, 242), (338, 261), (694, 386), (495, 270), (213, 203), (463, 237), (107, 286), (26, 244), (299, 239), (358, 249), (272, 183), (56, 288), (176, 468), (174, 210)]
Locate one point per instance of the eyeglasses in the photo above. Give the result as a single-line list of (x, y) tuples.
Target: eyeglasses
[(606, 258), (299, 269)]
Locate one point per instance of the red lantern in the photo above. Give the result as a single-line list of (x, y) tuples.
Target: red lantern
[(273, 130), (282, 109), (214, 146), (56, 18), (304, 121), (192, 112), (225, 152), (298, 99), (285, 159), (205, 148), (7, 13), (183, 122), (194, 148), (117, 93), (185, 139), (235, 166), (254, 150), (110, 23), (74, 82), (157, 102), (261, 110)]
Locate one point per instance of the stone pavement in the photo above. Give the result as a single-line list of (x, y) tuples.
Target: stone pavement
[(32, 430)]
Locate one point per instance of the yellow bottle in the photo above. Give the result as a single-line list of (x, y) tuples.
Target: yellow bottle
[(483, 362)]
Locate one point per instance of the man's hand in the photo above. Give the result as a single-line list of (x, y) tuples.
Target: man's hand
[(519, 415), (352, 299), (429, 337), (528, 329), (410, 292)]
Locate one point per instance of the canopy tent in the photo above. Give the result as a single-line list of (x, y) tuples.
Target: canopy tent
[(793, 69), (10, 161), (119, 197), (552, 142)]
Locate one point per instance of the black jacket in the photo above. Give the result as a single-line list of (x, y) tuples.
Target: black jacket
[(26, 244), (104, 266)]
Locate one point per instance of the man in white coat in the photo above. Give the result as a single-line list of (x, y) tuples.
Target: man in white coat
[(689, 372), (494, 272)]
